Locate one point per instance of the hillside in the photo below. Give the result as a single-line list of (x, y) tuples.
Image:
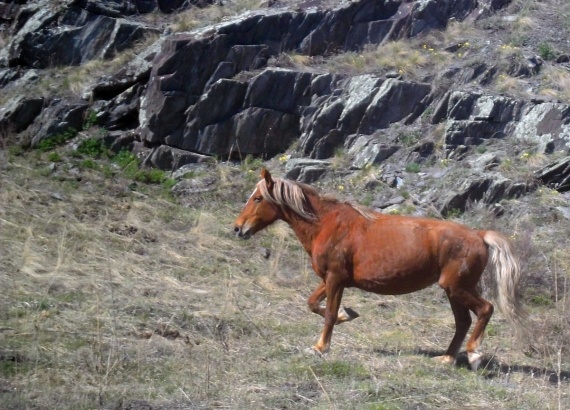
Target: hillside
[(131, 134)]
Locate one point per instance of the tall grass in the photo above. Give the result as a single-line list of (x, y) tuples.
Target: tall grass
[(111, 299)]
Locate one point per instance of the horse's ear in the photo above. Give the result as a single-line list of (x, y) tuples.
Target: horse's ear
[(267, 176)]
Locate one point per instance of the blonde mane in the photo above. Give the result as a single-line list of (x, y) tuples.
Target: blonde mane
[(289, 193), (293, 194)]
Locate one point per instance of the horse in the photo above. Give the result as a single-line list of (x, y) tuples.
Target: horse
[(353, 246)]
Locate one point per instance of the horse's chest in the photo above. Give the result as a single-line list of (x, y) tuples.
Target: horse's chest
[(335, 259)]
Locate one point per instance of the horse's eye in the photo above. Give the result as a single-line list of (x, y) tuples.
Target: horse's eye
[(257, 199)]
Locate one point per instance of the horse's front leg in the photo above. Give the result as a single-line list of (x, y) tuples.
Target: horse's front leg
[(334, 289), (314, 302)]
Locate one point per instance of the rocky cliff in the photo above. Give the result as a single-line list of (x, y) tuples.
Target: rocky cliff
[(313, 80)]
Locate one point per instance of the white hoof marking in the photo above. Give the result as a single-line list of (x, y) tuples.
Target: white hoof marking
[(446, 359), (474, 359)]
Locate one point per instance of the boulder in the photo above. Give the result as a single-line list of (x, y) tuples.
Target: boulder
[(171, 159), (70, 37), (341, 109), (59, 118), (547, 125), (189, 65), (306, 170), (19, 112), (370, 150), (32, 18), (486, 189), (556, 175), (473, 118), (180, 72), (395, 101), (116, 8), (122, 111), (135, 71)]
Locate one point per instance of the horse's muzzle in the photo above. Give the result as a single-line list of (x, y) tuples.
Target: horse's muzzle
[(240, 233)]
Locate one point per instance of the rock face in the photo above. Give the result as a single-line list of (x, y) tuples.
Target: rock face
[(488, 189), (471, 118), (556, 175), (70, 37), (178, 90), (216, 91), (60, 117), (19, 113)]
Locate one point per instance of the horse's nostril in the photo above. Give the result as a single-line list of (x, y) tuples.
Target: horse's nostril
[(236, 229)]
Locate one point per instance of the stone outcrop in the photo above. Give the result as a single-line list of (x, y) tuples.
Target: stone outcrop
[(211, 93), (488, 189), (71, 36), (19, 113), (60, 117), (471, 118), (556, 175), (177, 89)]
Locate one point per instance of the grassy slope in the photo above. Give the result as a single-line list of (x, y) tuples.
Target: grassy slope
[(115, 295), (112, 295)]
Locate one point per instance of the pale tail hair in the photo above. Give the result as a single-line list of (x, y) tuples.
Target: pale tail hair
[(505, 279)]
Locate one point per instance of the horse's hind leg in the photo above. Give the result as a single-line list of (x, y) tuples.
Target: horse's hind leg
[(462, 325), (318, 295), (461, 301), (484, 310)]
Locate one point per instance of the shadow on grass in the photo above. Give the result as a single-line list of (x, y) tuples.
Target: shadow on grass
[(490, 366)]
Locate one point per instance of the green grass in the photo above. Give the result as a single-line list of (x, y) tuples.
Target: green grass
[(546, 52), (50, 143), (92, 147), (91, 285), (413, 167)]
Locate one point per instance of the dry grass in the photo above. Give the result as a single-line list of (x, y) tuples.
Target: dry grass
[(505, 84), (78, 81), (112, 296), (556, 83), (198, 17), (401, 56)]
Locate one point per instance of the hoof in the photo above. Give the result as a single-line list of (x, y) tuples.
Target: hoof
[(346, 315), (313, 351), (474, 359), (445, 359)]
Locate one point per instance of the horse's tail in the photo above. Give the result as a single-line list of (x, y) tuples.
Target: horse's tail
[(505, 280)]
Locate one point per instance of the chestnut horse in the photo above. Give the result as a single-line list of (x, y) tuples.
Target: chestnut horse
[(350, 246)]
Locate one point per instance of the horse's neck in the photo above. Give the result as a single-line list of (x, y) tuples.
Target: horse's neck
[(307, 230)]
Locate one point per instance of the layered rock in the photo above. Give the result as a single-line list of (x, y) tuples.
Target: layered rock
[(71, 36)]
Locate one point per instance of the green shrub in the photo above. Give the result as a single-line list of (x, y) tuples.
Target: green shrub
[(88, 164), (90, 119), (453, 213), (546, 52), (150, 176), (124, 158), (130, 165), (128, 162), (541, 300), (409, 138), (54, 157), (168, 183), (92, 147), (49, 143), (15, 150), (413, 167), (251, 163)]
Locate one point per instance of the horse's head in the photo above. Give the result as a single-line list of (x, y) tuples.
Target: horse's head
[(259, 211)]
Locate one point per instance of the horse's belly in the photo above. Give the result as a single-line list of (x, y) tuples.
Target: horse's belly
[(395, 283)]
